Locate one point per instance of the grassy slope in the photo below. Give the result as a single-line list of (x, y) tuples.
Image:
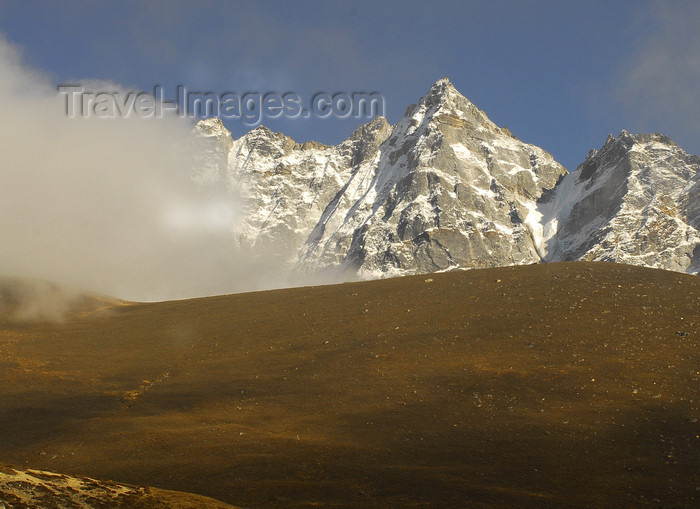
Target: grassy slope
[(570, 384)]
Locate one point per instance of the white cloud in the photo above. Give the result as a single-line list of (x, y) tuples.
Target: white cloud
[(108, 204)]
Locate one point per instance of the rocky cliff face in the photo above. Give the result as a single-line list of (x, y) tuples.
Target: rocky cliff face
[(447, 188), (635, 201), (283, 186)]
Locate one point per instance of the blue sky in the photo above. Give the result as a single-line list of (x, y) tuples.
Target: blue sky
[(559, 74)]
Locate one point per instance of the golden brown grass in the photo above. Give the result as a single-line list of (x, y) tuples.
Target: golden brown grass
[(570, 385)]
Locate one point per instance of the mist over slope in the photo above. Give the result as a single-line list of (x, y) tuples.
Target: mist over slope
[(25, 300), (109, 204)]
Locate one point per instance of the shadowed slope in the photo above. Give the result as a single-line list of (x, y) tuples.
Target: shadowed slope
[(569, 384)]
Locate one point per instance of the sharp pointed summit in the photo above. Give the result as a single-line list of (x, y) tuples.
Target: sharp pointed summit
[(447, 189), (443, 103)]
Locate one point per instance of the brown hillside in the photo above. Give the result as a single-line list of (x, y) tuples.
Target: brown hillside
[(570, 384)]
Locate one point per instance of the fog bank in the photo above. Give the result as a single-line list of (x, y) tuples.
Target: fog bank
[(109, 204)]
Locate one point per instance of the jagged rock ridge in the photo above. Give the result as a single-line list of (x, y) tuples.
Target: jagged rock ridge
[(635, 201), (284, 186), (447, 188)]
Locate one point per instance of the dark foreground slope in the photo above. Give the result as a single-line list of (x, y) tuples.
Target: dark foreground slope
[(574, 384)]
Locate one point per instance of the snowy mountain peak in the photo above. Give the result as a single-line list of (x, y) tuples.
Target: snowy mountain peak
[(365, 141), (447, 188), (444, 104), (211, 127), (441, 91), (636, 200), (441, 84), (625, 145), (378, 124), (443, 94)]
